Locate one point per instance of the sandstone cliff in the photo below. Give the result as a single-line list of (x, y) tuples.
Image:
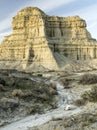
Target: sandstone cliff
[(46, 40)]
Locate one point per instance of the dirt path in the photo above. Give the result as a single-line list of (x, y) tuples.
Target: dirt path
[(65, 96)]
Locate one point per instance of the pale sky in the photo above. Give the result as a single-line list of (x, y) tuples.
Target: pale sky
[(86, 9)]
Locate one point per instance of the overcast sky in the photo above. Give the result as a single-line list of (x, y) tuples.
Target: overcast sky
[(87, 9)]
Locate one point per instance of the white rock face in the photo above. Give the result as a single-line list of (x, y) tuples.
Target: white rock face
[(68, 107)]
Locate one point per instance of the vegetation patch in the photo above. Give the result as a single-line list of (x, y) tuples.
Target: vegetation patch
[(80, 121), (80, 102), (90, 95), (66, 82), (88, 79), (21, 96)]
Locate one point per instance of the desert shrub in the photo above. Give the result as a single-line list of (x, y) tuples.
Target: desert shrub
[(2, 89), (87, 119), (35, 109), (21, 94), (17, 92), (53, 85), (40, 75), (80, 102), (66, 82), (88, 79), (83, 124), (81, 120), (2, 81), (90, 95), (22, 83)]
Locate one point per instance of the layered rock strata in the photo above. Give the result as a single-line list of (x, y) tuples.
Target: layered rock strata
[(47, 40)]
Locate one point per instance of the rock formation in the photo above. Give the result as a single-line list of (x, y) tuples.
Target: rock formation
[(47, 40)]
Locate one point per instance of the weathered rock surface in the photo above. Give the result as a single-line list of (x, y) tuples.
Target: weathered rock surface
[(46, 40)]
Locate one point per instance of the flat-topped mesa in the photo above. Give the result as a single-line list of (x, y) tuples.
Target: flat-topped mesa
[(67, 28), (46, 40)]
